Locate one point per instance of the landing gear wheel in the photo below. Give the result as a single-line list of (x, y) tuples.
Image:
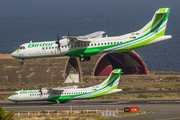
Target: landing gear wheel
[(87, 58), (82, 59), (21, 63), (57, 102)]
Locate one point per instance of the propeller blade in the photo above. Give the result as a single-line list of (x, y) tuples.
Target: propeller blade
[(57, 36), (68, 33)]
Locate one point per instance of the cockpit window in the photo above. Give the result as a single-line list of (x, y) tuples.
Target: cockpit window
[(15, 94), (21, 47)]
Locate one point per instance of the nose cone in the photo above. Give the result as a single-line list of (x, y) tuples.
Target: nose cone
[(10, 98), (14, 54)]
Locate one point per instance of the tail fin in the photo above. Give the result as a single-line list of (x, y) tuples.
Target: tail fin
[(158, 23), (112, 80)]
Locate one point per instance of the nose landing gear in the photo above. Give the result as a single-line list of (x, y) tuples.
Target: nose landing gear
[(21, 61)]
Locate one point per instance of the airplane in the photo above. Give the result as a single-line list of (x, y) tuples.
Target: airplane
[(64, 94), (94, 43)]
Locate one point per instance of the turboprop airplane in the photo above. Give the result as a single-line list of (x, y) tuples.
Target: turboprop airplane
[(92, 44), (63, 94)]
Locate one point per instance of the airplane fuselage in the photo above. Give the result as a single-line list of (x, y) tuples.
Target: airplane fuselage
[(64, 94), (92, 44)]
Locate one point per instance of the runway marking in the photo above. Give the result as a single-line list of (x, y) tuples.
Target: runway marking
[(171, 118)]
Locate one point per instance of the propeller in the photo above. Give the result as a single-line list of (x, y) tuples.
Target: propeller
[(40, 91), (57, 42)]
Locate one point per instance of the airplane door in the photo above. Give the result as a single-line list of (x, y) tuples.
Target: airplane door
[(127, 43), (43, 49)]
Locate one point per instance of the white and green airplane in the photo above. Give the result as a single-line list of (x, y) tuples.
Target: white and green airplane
[(94, 43), (63, 94)]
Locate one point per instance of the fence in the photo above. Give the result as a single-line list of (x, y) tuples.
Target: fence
[(68, 113)]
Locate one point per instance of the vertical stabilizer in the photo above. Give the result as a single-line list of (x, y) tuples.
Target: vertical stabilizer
[(158, 22), (112, 80)]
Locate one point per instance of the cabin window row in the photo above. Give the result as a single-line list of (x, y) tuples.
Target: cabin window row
[(83, 45), (95, 44), (58, 93)]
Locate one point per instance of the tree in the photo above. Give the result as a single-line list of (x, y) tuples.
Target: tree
[(5, 115)]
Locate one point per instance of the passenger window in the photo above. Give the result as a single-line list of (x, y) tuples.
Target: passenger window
[(95, 44), (71, 45), (56, 47), (82, 45), (114, 42), (23, 47), (62, 46), (52, 47), (49, 47), (98, 44), (74, 45), (111, 43), (108, 43), (78, 45), (104, 43), (46, 47), (91, 44), (121, 42), (101, 43), (117, 42)]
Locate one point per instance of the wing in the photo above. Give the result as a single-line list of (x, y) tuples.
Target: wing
[(85, 38), (61, 89)]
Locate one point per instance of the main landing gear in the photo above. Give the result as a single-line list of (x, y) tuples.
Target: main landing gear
[(82, 59)]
